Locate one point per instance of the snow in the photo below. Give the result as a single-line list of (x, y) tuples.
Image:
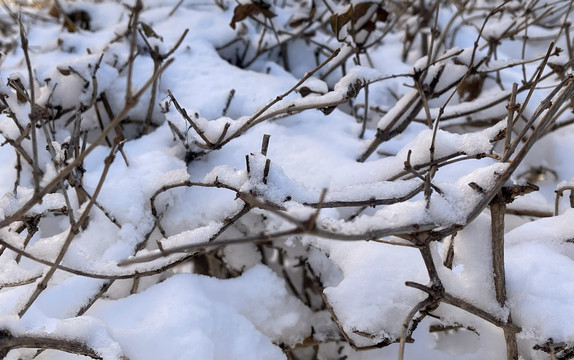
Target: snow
[(473, 257), (177, 190), (207, 313), (380, 303), (541, 309), (10, 203)]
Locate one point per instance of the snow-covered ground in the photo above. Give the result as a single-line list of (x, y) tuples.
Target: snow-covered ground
[(256, 110)]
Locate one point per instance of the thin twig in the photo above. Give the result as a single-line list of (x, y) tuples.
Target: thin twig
[(34, 115), (73, 231)]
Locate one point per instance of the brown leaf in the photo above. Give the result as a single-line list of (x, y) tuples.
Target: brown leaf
[(242, 11), (148, 31), (382, 14), (54, 12), (21, 98), (268, 13), (327, 110), (309, 34), (361, 9), (356, 14), (18, 85), (369, 26), (65, 72), (296, 23), (304, 91), (70, 26), (339, 20), (471, 87)]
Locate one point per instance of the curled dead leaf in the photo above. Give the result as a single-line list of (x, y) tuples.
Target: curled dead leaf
[(338, 20), (242, 11), (363, 17)]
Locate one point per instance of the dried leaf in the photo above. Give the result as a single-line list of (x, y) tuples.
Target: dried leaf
[(339, 20), (268, 13), (65, 72), (262, 4), (148, 31), (382, 14), (242, 11), (559, 69), (361, 9), (369, 26), (21, 98), (297, 23), (471, 87), (70, 26), (18, 85), (363, 16), (54, 12), (327, 110), (304, 91)]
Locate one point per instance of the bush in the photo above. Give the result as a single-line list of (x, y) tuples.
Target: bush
[(171, 190)]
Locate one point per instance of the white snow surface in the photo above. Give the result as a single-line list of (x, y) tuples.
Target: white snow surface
[(173, 313), (206, 314)]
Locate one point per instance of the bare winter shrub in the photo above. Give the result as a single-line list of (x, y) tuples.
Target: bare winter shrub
[(402, 174)]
